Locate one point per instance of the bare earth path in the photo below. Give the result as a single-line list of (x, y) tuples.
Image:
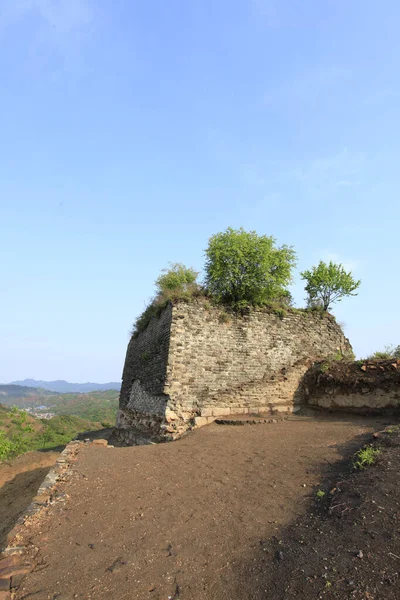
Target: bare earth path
[(179, 521), (19, 482)]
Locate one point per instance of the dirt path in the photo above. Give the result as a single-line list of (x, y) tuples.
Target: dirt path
[(178, 521), (19, 482)]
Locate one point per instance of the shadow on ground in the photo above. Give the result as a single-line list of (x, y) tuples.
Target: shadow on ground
[(344, 543), (15, 497)]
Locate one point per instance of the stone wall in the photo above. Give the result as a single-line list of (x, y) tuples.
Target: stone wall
[(363, 387), (196, 362), (143, 401)]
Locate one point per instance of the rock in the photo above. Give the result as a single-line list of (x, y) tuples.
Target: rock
[(22, 569), (360, 554), (10, 561), (100, 442)]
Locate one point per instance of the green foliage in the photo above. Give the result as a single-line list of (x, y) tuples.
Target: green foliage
[(386, 354), (366, 457), (95, 407), (177, 278), (321, 494), (243, 267), (328, 283), (20, 432), (176, 283)]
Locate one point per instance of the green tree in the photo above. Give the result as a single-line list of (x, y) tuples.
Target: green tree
[(245, 268), (177, 278), (328, 283)]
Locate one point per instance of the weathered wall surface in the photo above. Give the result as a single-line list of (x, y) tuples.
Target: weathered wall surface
[(372, 386), (143, 401), (202, 362)]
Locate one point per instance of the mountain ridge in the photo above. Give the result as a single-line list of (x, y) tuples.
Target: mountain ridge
[(63, 386)]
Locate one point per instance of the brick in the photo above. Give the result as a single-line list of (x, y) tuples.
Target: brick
[(221, 412), (206, 412)]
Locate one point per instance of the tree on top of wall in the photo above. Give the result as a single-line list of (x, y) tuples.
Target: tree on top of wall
[(244, 268), (328, 283)]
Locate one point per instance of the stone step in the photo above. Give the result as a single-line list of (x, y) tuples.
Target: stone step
[(248, 420)]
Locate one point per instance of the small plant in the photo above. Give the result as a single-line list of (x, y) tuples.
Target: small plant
[(393, 429), (279, 311), (386, 354), (366, 457), (321, 494), (224, 317), (324, 367), (145, 356)]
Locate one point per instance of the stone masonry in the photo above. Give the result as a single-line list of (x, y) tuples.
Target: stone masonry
[(196, 362)]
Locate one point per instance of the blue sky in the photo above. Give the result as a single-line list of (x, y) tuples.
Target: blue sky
[(132, 130)]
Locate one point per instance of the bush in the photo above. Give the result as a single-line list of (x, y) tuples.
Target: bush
[(246, 268), (327, 284), (176, 283), (176, 279), (386, 354)]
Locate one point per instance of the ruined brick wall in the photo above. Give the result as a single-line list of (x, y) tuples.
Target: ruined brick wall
[(211, 363), (142, 398)]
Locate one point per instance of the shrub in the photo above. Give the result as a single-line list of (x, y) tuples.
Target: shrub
[(243, 267), (177, 278), (176, 283), (386, 354), (328, 283)]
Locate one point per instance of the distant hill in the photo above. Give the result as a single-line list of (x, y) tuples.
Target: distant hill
[(9, 391), (64, 387)]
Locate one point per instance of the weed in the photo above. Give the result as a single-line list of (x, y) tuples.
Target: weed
[(366, 457), (324, 367), (393, 429), (224, 318), (145, 356), (320, 494)]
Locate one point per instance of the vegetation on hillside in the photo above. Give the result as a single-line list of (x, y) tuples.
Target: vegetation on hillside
[(243, 270), (73, 414), (20, 432)]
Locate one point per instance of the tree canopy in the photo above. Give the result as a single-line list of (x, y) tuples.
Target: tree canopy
[(244, 267), (328, 283)]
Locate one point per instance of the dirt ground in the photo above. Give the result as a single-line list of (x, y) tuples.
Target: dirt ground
[(347, 545), (185, 520), (19, 482)]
